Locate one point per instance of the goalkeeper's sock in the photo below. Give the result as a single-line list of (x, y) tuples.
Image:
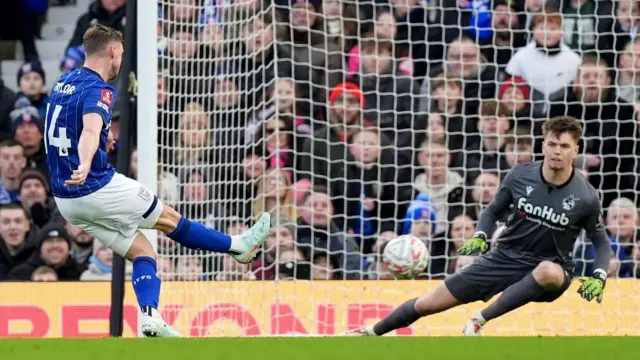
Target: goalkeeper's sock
[(199, 237), (515, 296), (403, 316), (146, 283)]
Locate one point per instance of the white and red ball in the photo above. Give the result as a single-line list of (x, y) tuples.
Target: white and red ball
[(405, 256)]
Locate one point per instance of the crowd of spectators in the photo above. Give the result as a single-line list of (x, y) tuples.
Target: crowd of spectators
[(352, 122)]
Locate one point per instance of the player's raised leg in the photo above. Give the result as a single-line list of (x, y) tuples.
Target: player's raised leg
[(546, 278), (194, 235), (411, 311)]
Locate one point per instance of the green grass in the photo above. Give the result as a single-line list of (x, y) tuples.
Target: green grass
[(423, 348)]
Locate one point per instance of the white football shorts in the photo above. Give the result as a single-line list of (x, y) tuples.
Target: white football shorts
[(115, 213)]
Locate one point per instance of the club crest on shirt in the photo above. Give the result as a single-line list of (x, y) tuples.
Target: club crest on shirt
[(106, 97), (569, 202), (144, 193)]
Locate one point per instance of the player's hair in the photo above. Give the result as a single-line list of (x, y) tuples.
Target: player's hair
[(97, 37), (14, 206), (10, 143), (563, 124)]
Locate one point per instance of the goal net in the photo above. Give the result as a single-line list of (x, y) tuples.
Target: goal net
[(353, 122)]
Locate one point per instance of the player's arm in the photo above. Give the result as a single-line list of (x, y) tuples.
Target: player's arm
[(489, 217), (87, 147), (592, 287), (96, 115), (90, 138)]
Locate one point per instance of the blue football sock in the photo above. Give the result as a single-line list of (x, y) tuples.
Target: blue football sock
[(199, 237), (146, 283)]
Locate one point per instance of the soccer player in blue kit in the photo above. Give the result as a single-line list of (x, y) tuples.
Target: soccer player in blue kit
[(91, 195)]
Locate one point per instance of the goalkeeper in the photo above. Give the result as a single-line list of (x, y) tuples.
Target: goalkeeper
[(551, 203)]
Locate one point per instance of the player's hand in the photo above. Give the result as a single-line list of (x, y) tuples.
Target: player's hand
[(78, 177), (593, 287), (475, 246), (111, 142)]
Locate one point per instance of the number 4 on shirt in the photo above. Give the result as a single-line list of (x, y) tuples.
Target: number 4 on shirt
[(61, 142)]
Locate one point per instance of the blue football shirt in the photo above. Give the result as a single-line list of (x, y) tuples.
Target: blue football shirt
[(78, 92)]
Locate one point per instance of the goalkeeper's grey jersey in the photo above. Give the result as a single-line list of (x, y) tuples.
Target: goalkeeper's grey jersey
[(545, 220)]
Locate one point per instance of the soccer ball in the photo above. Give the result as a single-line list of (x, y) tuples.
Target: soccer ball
[(405, 257)]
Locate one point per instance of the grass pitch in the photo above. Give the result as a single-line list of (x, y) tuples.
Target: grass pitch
[(319, 348)]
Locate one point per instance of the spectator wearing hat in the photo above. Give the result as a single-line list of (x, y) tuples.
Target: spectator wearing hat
[(17, 238), (28, 130), (7, 101), (325, 156), (345, 118), (54, 251), (31, 80), (100, 264), (514, 97), (34, 190), (420, 218), (12, 162), (110, 13), (82, 244), (546, 63)]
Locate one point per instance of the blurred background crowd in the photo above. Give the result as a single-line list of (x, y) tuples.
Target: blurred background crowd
[(351, 121)]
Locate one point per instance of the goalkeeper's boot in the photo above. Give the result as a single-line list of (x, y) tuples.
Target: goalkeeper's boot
[(473, 327), (360, 331), (154, 326), (254, 238)]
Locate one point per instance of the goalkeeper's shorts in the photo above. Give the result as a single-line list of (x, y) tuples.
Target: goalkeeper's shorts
[(491, 274)]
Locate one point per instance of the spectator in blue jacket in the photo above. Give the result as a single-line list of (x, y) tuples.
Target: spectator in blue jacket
[(316, 231)]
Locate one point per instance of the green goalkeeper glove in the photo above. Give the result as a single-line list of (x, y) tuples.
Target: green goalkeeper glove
[(593, 287), (475, 246)]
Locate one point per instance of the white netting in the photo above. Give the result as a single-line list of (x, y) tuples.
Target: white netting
[(259, 101)]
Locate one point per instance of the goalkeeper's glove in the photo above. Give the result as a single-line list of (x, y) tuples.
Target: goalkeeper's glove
[(593, 287), (475, 246)]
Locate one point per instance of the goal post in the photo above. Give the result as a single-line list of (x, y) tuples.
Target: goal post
[(241, 106), (146, 80)]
